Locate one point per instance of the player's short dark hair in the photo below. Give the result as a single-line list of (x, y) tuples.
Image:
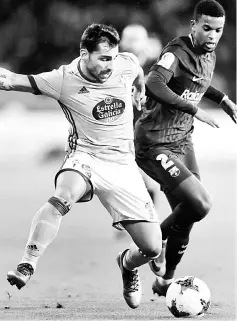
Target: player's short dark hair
[(97, 33), (209, 8)]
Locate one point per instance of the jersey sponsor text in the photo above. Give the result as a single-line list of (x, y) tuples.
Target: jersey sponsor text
[(109, 109), (192, 96)]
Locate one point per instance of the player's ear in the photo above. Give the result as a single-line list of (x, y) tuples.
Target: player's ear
[(84, 53), (193, 23)]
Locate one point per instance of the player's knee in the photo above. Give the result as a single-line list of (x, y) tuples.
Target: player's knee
[(202, 207), (68, 194), (152, 251)]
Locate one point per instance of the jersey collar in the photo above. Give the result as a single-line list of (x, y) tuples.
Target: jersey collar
[(191, 38), (83, 75), (205, 55)]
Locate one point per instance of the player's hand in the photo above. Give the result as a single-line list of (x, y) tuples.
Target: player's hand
[(206, 118), (230, 108), (138, 98), (5, 79)]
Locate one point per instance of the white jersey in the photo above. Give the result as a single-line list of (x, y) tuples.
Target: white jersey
[(100, 114)]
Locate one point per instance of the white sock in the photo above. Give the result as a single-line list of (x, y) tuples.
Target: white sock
[(44, 228), (133, 259), (164, 281)]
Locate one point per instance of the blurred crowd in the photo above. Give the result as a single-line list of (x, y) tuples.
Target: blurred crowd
[(39, 35)]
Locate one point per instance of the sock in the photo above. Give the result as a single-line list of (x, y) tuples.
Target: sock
[(176, 246), (164, 281), (161, 257), (44, 228), (166, 226), (181, 215), (133, 259)]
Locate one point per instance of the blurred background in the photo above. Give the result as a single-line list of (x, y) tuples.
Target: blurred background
[(39, 35)]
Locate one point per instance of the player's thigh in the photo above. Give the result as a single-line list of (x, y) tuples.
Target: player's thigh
[(73, 180), (190, 160), (192, 191), (146, 235), (125, 196), (70, 186), (166, 168)]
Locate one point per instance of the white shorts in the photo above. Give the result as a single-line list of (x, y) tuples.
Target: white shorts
[(119, 187)]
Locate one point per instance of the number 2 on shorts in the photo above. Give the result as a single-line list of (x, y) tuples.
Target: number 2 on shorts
[(168, 165), (165, 163)]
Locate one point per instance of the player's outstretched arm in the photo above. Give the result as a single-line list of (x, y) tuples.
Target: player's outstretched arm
[(230, 108), (139, 89), (157, 89), (223, 100), (12, 81)]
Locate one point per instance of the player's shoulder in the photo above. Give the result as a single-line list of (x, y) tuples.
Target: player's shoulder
[(179, 49), (71, 66), (178, 46), (67, 69), (176, 50), (128, 57)]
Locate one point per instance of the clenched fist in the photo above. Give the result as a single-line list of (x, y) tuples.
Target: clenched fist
[(5, 79)]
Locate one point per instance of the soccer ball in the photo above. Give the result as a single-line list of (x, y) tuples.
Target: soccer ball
[(188, 297)]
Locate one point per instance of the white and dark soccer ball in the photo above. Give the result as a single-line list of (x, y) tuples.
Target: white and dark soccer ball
[(188, 297)]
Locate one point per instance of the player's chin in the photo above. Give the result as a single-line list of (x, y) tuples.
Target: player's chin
[(104, 77), (209, 48)]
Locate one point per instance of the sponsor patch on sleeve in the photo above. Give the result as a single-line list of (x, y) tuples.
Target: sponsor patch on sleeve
[(167, 60)]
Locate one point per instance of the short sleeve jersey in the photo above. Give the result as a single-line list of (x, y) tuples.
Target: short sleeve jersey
[(100, 114)]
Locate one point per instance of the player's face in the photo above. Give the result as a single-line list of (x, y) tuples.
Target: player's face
[(207, 32), (100, 63)]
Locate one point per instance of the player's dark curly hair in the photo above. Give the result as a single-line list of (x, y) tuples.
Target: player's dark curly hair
[(97, 33), (210, 8)]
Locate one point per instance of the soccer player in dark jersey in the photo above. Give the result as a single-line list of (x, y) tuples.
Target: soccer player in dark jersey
[(164, 149)]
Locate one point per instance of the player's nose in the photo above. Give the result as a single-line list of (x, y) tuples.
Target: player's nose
[(110, 65), (212, 35)]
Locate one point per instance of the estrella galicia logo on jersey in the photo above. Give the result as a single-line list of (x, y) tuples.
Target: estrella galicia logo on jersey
[(109, 109)]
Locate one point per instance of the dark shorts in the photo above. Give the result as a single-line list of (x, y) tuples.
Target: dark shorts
[(168, 167)]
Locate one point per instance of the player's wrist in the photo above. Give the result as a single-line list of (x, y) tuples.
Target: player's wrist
[(225, 97), (195, 109), (5, 79)]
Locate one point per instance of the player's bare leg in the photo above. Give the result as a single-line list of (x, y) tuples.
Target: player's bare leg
[(147, 237), (158, 265), (194, 205), (45, 225)]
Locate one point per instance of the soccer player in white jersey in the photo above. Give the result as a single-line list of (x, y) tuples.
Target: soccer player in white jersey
[(94, 92)]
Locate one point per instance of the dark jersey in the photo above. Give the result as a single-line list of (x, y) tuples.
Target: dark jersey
[(175, 85)]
